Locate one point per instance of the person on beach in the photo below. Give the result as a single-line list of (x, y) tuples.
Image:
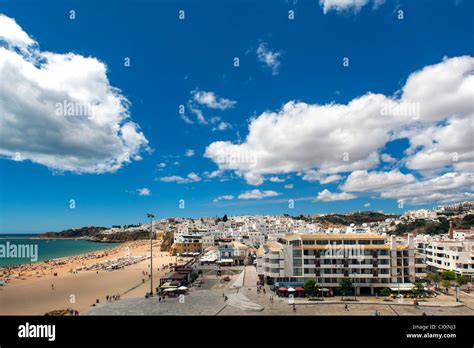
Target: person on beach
[(346, 307)]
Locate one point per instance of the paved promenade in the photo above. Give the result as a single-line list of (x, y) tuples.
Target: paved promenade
[(243, 299)]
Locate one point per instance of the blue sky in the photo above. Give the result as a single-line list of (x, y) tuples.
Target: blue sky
[(190, 62)]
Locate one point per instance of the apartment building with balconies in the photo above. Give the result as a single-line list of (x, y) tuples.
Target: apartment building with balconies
[(370, 261), (445, 254)]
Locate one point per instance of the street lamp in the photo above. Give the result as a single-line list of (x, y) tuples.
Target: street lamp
[(355, 286), (151, 217), (398, 282)]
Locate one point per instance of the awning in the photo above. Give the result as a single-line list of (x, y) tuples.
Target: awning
[(402, 287), (324, 289), (170, 289), (166, 285), (182, 288), (225, 261), (299, 289), (282, 289)]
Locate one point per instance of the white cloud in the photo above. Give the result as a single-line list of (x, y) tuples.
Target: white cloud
[(225, 197), (313, 176), (367, 205), (440, 146), (162, 165), (289, 186), (385, 157), (191, 177), (186, 119), (347, 5), (199, 115), (144, 191), (279, 142), (222, 126), (213, 174), (257, 194), (210, 100), (276, 179), (254, 179), (433, 110), (268, 57), (446, 188), (190, 153), (13, 34), (363, 181), (60, 111), (328, 196), (443, 90), (395, 185)]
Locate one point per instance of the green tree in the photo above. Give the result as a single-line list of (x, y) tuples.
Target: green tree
[(434, 278), (346, 287), (446, 284), (225, 218), (194, 276), (385, 292), (461, 280), (418, 289), (448, 275), (311, 287)]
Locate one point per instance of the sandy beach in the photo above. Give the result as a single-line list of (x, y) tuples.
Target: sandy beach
[(30, 288)]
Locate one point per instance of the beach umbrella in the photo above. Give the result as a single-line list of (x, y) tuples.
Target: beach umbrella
[(291, 289), (182, 288)]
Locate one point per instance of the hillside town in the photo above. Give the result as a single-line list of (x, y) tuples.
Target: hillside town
[(283, 265)]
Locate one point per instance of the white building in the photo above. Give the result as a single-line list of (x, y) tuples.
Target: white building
[(370, 261), (444, 254)]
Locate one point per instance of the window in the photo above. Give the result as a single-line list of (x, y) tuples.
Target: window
[(297, 272)]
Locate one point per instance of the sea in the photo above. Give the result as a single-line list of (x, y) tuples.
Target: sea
[(44, 249)]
